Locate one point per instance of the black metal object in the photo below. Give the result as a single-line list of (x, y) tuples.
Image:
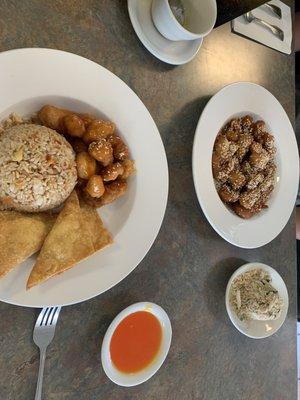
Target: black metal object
[(230, 9)]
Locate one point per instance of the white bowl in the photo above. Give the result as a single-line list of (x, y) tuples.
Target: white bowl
[(235, 100), (134, 379), (259, 329), (201, 18)]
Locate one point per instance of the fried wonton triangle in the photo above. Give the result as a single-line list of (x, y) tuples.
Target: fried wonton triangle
[(21, 235), (94, 225), (67, 244)]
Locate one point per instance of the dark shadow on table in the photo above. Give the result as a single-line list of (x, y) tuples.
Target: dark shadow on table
[(215, 285), (179, 146)]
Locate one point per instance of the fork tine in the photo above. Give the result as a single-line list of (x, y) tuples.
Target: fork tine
[(49, 316), (41, 316), (55, 315)]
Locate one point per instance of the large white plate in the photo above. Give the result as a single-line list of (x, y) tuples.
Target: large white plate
[(30, 78), (234, 100)]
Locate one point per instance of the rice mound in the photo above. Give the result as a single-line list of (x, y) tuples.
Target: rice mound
[(37, 168)]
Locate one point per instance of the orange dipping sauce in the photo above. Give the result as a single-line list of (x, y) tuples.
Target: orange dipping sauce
[(135, 342)]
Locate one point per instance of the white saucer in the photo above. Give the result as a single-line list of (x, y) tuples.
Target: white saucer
[(169, 51)]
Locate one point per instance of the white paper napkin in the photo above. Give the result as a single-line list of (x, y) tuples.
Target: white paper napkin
[(261, 34)]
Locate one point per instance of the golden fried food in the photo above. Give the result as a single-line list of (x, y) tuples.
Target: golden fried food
[(52, 117), (256, 148), (73, 125), (21, 236), (246, 121), (113, 191), (93, 224), (244, 143), (260, 160), (112, 171), (98, 129), (101, 151), (222, 146), (120, 150), (223, 168), (232, 136), (216, 166), (128, 167), (242, 212), (94, 202), (268, 142), (255, 180), (86, 119), (95, 186), (227, 194), (236, 179), (243, 165), (258, 127), (86, 165), (67, 244), (249, 197)]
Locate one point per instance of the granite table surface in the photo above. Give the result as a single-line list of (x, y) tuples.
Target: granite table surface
[(187, 269)]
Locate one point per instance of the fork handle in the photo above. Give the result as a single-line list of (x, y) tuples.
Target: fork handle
[(38, 393)]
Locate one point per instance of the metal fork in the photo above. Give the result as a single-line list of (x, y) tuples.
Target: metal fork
[(249, 17), (43, 334)]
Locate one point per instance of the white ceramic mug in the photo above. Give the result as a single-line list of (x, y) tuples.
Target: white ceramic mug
[(200, 18)]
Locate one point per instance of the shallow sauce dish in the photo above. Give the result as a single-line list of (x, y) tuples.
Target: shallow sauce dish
[(232, 101), (136, 378), (259, 329), (73, 82)]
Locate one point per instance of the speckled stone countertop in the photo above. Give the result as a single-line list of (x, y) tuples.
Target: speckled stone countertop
[(187, 269)]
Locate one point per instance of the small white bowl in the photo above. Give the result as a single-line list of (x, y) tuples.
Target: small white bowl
[(259, 329), (133, 379)]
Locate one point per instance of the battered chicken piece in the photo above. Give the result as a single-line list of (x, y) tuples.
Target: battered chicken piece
[(52, 117), (256, 148), (228, 195), (259, 160), (235, 124), (244, 143), (248, 198), (255, 180), (232, 136), (120, 150), (258, 128), (270, 170), (247, 121), (268, 142), (112, 171), (236, 179), (223, 170), (222, 146), (73, 125), (129, 168), (98, 130), (101, 151), (113, 191), (242, 211)]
